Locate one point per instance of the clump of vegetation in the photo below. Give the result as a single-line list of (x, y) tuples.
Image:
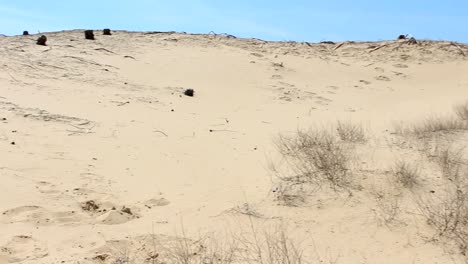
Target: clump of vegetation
[(406, 174), (350, 132), (316, 157), (462, 111), (432, 125), (254, 246)]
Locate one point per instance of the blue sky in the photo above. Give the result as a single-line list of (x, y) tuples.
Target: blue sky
[(298, 20)]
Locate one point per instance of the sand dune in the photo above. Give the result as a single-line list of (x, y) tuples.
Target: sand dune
[(100, 147)]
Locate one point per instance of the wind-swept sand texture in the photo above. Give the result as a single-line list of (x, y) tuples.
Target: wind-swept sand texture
[(100, 147)]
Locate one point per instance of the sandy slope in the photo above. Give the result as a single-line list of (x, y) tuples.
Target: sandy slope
[(106, 120)]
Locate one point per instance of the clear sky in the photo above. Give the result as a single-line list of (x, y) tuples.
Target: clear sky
[(299, 20)]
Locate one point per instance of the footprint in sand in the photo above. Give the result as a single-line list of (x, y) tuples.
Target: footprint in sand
[(39, 215), (46, 188), (378, 69), (400, 74), (277, 77), (22, 248), (382, 78), (156, 203), (400, 65)]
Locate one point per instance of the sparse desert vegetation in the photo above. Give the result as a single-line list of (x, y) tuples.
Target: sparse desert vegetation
[(351, 132), (102, 140), (317, 158), (407, 174), (254, 245), (462, 111), (432, 182)]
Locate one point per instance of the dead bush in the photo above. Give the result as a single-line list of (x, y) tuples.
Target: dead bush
[(462, 111), (350, 132), (406, 174), (432, 125), (446, 209), (316, 157)]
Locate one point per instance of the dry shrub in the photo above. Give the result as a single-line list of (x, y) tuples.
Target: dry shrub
[(206, 250), (274, 247), (447, 209), (316, 157), (432, 125), (448, 214), (350, 132), (462, 111), (253, 246), (406, 174), (450, 160), (387, 208)]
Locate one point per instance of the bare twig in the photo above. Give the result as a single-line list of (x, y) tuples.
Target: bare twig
[(103, 49), (379, 47), (458, 47), (161, 132)]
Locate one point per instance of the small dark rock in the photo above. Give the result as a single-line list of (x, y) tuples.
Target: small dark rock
[(412, 41), (89, 206), (25, 33), (189, 92), (4, 119), (13, 143), (127, 210), (89, 34), (42, 40), (327, 42), (106, 32), (402, 37)]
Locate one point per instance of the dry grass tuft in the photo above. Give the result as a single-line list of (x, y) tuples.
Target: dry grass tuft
[(432, 125), (406, 174), (462, 111), (253, 246), (316, 157), (447, 208), (387, 208), (350, 132)]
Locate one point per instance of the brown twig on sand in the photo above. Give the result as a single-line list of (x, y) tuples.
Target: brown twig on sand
[(379, 47), (103, 49), (123, 103), (80, 130), (339, 45), (90, 62), (161, 132), (458, 47)]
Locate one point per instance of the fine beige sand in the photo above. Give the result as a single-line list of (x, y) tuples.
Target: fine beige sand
[(100, 148)]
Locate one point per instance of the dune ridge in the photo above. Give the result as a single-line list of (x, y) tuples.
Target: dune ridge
[(102, 152)]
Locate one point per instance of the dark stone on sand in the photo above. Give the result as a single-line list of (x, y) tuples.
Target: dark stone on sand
[(189, 92), (412, 41), (106, 32), (327, 42), (25, 33), (42, 40), (89, 34), (402, 37)]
